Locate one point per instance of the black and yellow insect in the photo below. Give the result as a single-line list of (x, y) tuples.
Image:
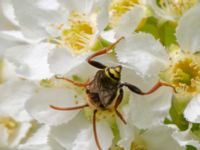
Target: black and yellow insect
[(105, 91)]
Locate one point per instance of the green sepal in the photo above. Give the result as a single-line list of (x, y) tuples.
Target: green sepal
[(99, 44), (177, 116), (160, 29), (190, 147)]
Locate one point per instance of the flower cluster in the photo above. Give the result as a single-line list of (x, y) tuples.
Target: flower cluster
[(63, 64)]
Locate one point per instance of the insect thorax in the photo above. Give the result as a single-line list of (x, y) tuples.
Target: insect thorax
[(103, 90)]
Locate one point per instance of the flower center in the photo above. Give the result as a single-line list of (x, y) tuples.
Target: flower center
[(10, 124), (176, 7), (101, 114), (77, 35), (186, 74), (118, 8), (138, 145)]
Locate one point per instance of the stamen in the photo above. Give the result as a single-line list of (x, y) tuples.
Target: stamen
[(176, 7), (185, 73), (118, 8), (78, 35), (10, 124), (138, 144)]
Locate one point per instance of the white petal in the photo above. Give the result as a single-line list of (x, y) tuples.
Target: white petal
[(21, 133), (54, 145), (78, 134), (61, 61), (6, 15), (142, 53), (185, 138), (102, 18), (65, 134), (7, 41), (192, 111), (129, 21), (188, 30), (150, 110), (30, 60), (127, 134), (84, 6), (160, 137), (85, 139), (4, 136), (8, 71), (39, 105), (132, 77), (159, 12), (33, 17), (13, 96), (109, 36), (8, 11), (38, 141)]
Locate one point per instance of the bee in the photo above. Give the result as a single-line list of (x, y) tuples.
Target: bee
[(105, 90)]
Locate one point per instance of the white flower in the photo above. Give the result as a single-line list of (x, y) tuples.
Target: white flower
[(192, 112), (151, 110), (118, 9), (31, 62), (78, 134), (148, 57), (69, 123), (14, 120), (185, 138), (154, 138), (171, 9), (65, 29), (18, 129)]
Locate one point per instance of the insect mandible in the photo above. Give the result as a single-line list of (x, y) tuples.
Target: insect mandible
[(105, 91)]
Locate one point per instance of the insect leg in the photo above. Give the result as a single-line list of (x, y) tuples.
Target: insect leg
[(95, 130), (74, 82), (135, 89), (69, 108), (118, 101), (101, 52), (157, 86)]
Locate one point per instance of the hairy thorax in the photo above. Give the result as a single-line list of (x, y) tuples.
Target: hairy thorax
[(102, 91)]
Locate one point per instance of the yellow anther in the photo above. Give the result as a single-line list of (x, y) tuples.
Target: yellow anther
[(78, 35), (120, 7), (185, 73), (176, 7), (9, 123)]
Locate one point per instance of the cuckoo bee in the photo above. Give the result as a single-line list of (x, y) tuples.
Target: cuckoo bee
[(105, 90)]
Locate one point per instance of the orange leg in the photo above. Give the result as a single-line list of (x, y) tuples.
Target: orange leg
[(118, 101), (79, 84), (95, 130), (101, 52), (157, 86), (69, 108), (135, 89)]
